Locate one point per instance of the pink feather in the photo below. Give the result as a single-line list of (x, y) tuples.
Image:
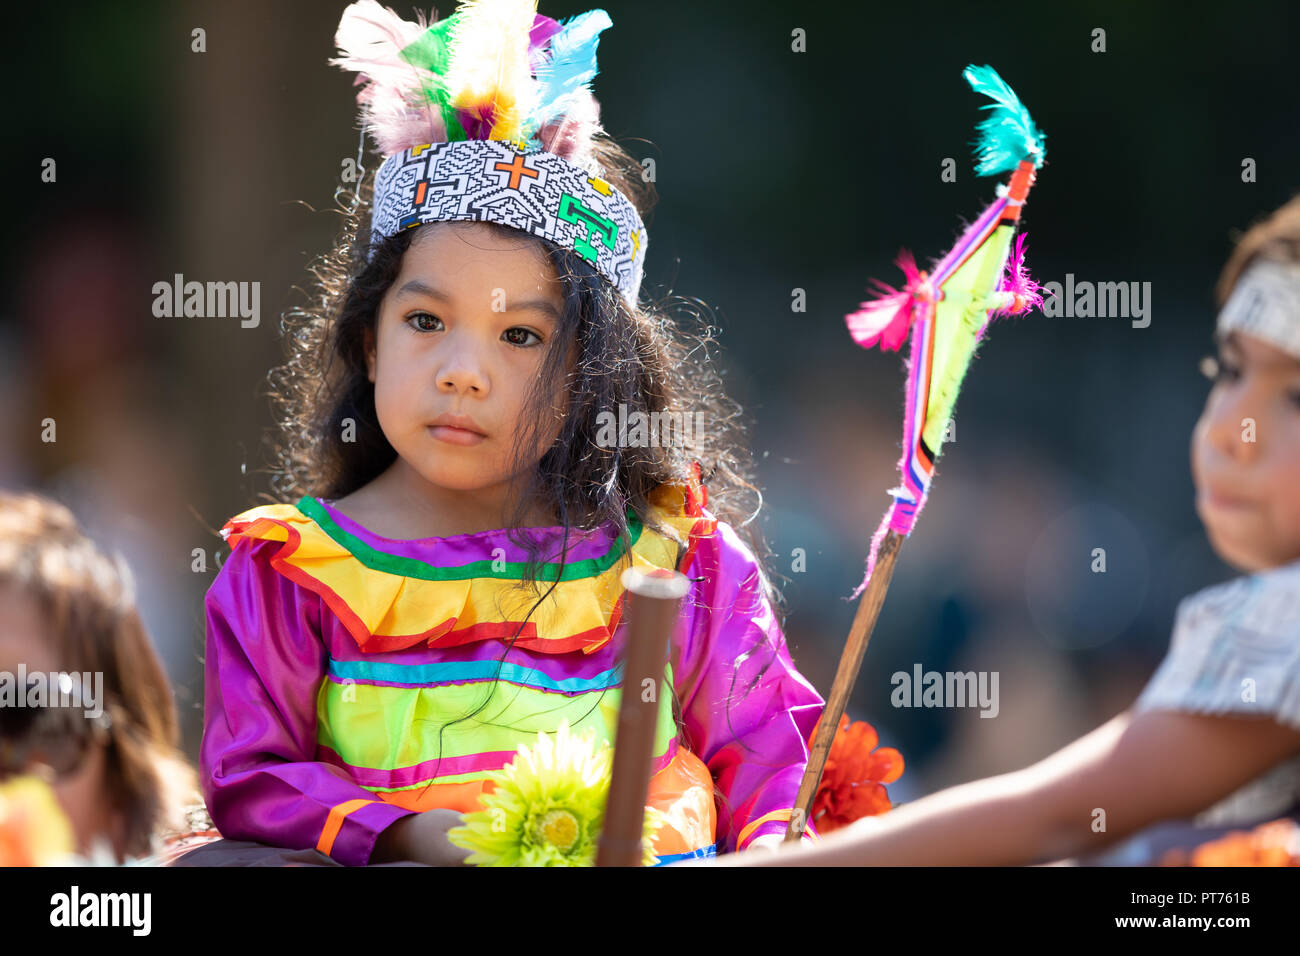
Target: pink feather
[(887, 318), (370, 39), (544, 28), (571, 137), (1025, 291)]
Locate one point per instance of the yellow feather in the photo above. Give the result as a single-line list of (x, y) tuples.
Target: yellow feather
[(489, 62)]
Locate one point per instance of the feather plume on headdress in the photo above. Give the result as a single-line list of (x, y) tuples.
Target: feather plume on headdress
[(494, 69)]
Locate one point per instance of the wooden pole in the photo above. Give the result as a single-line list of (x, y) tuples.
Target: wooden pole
[(653, 598), (864, 622)]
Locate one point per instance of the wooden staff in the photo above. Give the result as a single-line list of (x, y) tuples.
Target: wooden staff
[(864, 622), (653, 599)]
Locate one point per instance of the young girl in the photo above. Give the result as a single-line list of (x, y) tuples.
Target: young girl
[(472, 441), (109, 747), (1224, 707)]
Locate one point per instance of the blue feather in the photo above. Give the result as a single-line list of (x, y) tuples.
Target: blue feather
[(572, 65), (1008, 135)]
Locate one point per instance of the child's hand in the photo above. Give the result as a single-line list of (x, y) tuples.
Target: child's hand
[(421, 838)]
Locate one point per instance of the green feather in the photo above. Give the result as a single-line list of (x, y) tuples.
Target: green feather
[(431, 53)]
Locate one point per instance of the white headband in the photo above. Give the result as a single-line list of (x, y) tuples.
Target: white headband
[(519, 185), (1265, 303)]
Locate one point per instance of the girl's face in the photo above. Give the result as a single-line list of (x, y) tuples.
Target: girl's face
[(462, 331), (1246, 455)]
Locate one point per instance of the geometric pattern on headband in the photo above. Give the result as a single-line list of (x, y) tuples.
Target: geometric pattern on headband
[(519, 185), (1265, 303)]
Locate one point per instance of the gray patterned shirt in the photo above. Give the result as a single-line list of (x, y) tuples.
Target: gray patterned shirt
[(1236, 650)]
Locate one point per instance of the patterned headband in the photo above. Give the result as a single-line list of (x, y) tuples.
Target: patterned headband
[(488, 116), (1265, 303)]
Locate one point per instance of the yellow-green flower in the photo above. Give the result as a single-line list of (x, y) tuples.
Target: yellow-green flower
[(548, 806), (34, 831)]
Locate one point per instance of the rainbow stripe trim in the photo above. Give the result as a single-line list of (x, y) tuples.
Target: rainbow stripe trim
[(390, 602)]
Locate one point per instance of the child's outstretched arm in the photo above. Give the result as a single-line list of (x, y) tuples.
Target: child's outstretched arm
[(265, 661), (1139, 768), (748, 712)]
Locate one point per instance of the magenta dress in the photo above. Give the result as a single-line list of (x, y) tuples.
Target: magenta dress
[(353, 679)]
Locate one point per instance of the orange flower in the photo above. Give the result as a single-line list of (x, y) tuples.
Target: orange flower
[(1269, 844), (852, 783)]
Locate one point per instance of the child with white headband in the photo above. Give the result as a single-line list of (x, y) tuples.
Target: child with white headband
[(1219, 723)]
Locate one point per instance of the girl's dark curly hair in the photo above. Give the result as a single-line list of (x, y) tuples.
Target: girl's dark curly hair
[(639, 358)]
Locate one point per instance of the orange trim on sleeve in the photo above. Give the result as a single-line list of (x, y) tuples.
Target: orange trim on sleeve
[(448, 796), (783, 815), (334, 823)]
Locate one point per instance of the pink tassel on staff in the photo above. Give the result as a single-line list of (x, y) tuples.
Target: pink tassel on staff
[(1018, 293), (1022, 289), (887, 318)]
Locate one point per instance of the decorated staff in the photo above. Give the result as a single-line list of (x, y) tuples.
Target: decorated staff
[(946, 311)]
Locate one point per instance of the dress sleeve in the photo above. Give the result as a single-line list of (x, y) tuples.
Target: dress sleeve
[(264, 664), (1235, 650), (748, 713)]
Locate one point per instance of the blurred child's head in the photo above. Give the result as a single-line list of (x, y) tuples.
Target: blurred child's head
[(67, 608), (524, 337), (1246, 446)]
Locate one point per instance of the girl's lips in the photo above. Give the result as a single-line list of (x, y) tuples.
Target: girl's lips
[(1221, 502), (455, 436)]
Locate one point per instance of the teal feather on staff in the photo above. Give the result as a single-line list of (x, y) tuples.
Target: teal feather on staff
[(1008, 135)]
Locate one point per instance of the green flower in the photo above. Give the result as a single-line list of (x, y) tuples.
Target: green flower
[(548, 806)]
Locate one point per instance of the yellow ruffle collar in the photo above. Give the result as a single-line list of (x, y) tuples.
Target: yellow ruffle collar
[(390, 601)]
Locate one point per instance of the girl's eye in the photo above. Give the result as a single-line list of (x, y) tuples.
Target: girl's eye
[(513, 339), (416, 320)]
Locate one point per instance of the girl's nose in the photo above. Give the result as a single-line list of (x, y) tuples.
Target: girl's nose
[(462, 371), (1235, 427)]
